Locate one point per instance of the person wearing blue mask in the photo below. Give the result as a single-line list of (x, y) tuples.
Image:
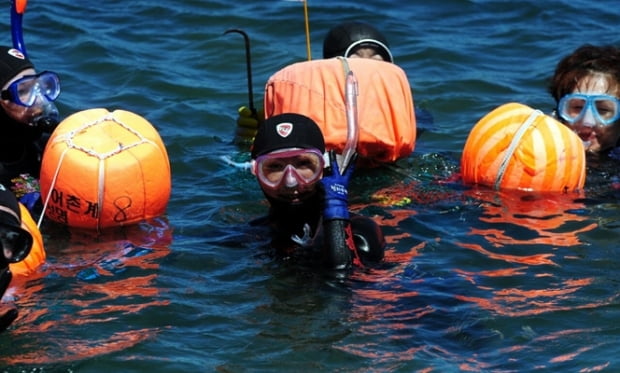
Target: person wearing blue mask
[(308, 196), (27, 117), (586, 88)]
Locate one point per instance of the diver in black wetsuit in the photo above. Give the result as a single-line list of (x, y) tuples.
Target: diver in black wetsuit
[(308, 202), (27, 117), (15, 243), (356, 39)]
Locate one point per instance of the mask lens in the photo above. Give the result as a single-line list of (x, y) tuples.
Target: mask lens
[(607, 109), (571, 108), (25, 90), (49, 85), (306, 165), (16, 243)]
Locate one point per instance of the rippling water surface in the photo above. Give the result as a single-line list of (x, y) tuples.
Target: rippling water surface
[(473, 280)]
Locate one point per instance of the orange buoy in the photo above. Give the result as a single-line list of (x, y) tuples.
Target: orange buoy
[(517, 147), (37, 256), (103, 169), (385, 107)]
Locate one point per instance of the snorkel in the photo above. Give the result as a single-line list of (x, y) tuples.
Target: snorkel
[(350, 147), (18, 8), (43, 113)]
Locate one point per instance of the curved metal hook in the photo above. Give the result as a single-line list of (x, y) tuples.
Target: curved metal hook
[(248, 61)]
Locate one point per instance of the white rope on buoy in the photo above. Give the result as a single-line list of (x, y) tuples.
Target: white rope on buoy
[(100, 190), (516, 140), (49, 193)]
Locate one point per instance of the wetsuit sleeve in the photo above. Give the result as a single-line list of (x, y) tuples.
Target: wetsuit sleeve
[(358, 241), (339, 245)]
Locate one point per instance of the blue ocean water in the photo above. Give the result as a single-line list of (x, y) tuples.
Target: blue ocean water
[(472, 282)]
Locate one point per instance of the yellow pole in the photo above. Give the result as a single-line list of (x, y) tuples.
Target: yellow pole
[(307, 30)]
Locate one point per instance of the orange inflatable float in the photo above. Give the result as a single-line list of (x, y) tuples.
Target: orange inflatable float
[(103, 169), (385, 111), (37, 256), (517, 147)]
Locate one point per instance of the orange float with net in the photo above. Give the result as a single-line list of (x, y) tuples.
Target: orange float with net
[(517, 147), (104, 169)]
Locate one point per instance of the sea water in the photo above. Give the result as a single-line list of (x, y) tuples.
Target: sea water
[(473, 281)]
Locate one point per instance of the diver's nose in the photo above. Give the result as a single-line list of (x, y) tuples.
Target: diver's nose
[(588, 118), (290, 181)]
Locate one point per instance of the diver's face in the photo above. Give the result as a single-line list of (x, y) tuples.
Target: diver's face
[(587, 111), (289, 175), (28, 98), (15, 111)]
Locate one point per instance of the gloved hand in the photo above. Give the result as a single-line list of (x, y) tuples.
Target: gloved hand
[(248, 122), (336, 189)]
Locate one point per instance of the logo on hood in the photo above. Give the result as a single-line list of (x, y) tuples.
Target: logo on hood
[(284, 129), (16, 53)]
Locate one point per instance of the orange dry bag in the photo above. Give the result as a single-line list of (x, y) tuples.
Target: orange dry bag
[(386, 121)]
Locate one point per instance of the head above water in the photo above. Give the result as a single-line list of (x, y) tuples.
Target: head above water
[(27, 97), (586, 88), (287, 158), (347, 38), (586, 61)]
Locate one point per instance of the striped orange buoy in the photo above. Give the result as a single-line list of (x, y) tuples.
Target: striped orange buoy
[(103, 169), (37, 256), (517, 147)]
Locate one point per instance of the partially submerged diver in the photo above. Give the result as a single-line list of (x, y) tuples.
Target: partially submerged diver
[(308, 199), (356, 39), (15, 242), (27, 116), (586, 88)]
